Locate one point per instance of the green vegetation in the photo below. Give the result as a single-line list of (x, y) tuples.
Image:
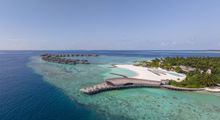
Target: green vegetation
[(200, 71)]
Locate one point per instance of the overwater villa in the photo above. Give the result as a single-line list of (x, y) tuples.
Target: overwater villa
[(63, 58)]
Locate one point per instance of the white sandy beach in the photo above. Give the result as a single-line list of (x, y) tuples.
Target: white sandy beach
[(147, 74)]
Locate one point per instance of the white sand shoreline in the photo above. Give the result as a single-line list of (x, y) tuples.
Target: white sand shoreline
[(151, 74), (145, 73)]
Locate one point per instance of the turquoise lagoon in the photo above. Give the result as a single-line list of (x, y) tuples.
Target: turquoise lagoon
[(135, 104)]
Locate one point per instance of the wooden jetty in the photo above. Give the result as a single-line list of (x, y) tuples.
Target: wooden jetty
[(119, 75), (70, 55), (181, 88), (119, 83), (122, 83)]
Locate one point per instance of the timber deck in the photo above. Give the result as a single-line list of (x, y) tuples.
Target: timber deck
[(123, 83), (119, 83), (181, 88)]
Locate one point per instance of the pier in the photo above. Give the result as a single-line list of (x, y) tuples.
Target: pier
[(120, 83), (123, 83), (70, 55), (181, 88), (119, 75)]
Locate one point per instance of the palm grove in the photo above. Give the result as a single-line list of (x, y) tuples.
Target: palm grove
[(200, 71)]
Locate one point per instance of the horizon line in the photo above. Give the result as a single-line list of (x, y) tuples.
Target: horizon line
[(111, 50)]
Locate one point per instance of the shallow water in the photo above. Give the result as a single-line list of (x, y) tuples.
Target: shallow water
[(24, 95), (137, 104)]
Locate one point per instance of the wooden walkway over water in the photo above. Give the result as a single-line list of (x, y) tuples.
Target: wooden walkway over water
[(122, 83), (181, 88)]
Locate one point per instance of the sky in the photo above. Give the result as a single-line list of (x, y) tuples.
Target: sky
[(109, 24)]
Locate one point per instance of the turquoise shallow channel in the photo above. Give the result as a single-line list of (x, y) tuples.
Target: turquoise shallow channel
[(135, 104)]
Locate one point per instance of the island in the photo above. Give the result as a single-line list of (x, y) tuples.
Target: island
[(176, 73), (200, 71)]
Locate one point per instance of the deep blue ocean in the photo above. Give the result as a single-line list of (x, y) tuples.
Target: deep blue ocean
[(24, 95)]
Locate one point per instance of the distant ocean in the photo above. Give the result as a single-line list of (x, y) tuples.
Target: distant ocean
[(31, 89)]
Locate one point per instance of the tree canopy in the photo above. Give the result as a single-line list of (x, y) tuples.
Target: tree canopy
[(205, 73)]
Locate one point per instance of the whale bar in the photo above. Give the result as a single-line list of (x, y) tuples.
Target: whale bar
[(63, 58)]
